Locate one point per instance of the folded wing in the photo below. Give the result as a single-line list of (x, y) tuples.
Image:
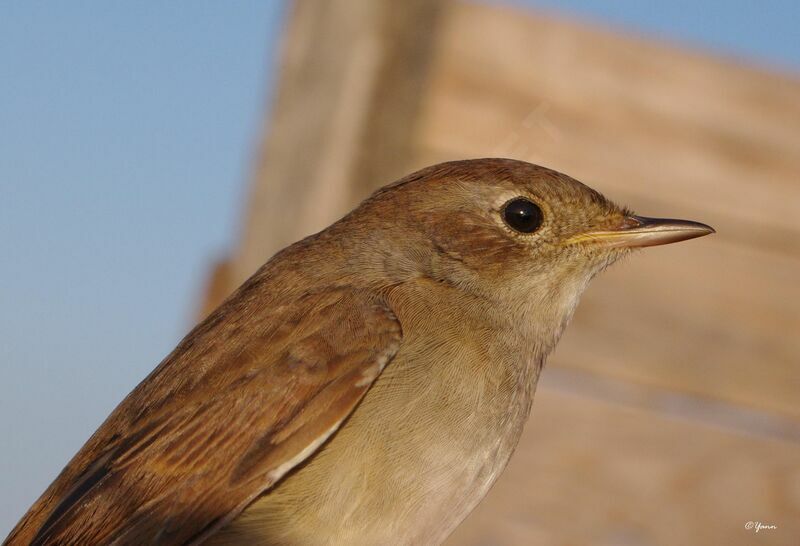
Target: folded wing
[(245, 397)]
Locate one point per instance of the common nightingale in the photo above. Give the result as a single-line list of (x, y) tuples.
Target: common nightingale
[(367, 385)]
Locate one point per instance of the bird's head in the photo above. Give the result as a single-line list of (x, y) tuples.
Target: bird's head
[(509, 230)]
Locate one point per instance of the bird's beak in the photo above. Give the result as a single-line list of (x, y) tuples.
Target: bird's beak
[(639, 231)]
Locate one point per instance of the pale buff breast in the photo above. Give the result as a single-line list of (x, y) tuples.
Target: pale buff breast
[(415, 457)]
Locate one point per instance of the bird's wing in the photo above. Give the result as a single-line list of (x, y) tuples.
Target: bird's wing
[(218, 422)]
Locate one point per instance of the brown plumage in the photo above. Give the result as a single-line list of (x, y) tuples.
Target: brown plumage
[(366, 386)]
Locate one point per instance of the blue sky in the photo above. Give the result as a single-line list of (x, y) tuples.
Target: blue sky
[(763, 32), (127, 134)]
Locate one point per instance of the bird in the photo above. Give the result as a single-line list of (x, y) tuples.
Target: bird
[(367, 385)]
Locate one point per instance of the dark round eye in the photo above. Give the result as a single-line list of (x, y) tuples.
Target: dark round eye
[(522, 215)]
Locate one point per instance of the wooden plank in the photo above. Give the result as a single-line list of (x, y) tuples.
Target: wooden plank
[(702, 319), (593, 472), (672, 134), (352, 74)]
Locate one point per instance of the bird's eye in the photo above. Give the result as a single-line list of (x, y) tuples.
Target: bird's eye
[(522, 215)]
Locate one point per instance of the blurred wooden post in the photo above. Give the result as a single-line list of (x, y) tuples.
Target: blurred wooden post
[(670, 413), (351, 80), (352, 74)]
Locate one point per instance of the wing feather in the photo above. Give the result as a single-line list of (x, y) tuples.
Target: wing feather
[(223, 418)]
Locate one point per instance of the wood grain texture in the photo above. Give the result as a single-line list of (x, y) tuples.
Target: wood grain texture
[(589, 471)]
